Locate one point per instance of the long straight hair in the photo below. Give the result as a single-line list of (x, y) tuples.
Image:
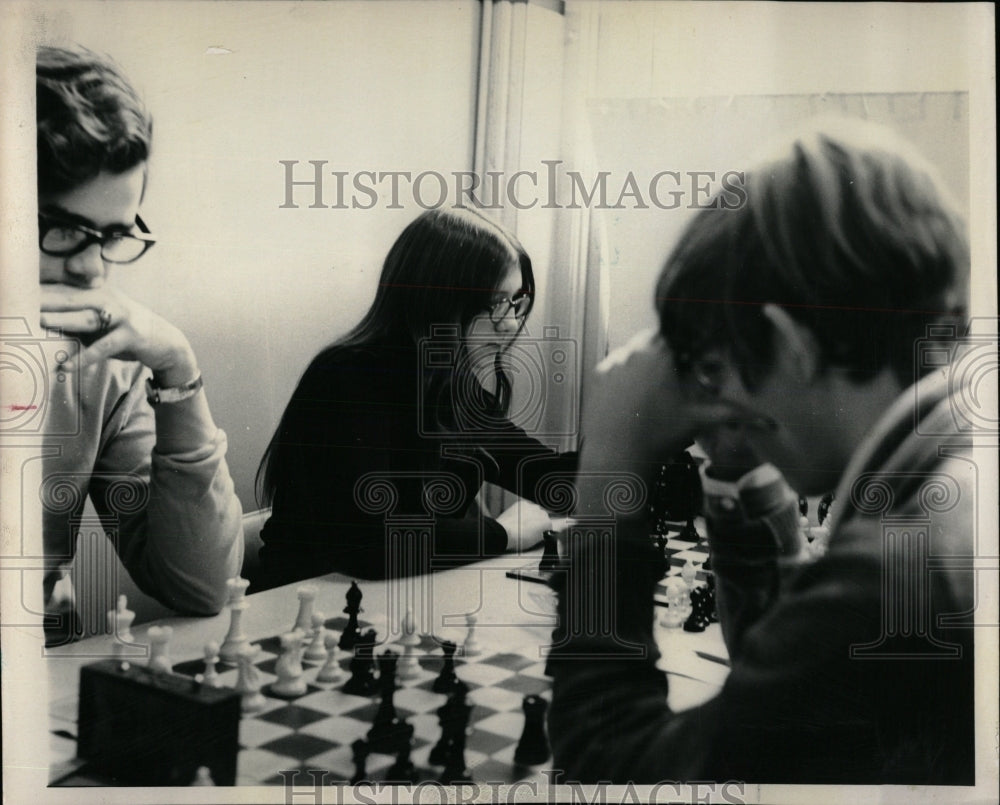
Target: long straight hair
[(443, 270)]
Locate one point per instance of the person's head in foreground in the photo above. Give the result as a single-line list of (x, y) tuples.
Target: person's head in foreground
[(94, 137), (804, 306)]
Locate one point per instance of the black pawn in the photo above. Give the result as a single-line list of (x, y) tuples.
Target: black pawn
[(453, 717), (689, 533), (447, 680), (533, 748), (362, 667), (403, 771), (388, 733), (550, 556), (359, 750), (349, 637)]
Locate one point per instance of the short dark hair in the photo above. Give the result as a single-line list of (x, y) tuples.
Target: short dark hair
[(89, 118), (848, 229)]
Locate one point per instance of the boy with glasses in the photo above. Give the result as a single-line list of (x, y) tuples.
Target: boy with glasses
[(147, 454)]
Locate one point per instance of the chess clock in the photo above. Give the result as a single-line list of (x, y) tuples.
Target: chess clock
[(140, 727)]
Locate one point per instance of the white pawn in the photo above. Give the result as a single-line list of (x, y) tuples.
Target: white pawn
[(288, 668), (331, 671), (235, 638), (689, 574), (159, 657), (317, 649), (304, 621), (211, 677), (470, 648), (409, 630), (407, 668), (120, 620), (248, 681), (203, 776)]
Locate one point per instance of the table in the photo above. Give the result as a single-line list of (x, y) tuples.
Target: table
[(515, 621)]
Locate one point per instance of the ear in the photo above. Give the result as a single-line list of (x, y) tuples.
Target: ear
[(794, 344)]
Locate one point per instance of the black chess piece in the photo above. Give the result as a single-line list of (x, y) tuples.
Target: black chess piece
[(550, 556), (660, 558), (533, 748), (350, 634), (388, 732), (363, 681), (359, 754), (698, 620), (453, 716), (447, 679), (824, 507), (710, 608), (403, 771), (689, 533), (455, 771)]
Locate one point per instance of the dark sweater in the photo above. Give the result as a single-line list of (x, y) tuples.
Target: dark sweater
[(362, 455), (825, 684)]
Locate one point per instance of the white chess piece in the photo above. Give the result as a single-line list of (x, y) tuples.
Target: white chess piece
[(203, 776), (678, 602), (470, 648), (307, 595), (689, 574), (407, 668), (331, 671), (120, 620), (235, 638), (159, 656), (248, 681), (409, 629), (288, 668), (317, 647), (211, 677)]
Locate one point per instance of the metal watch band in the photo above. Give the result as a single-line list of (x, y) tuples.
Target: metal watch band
[(158, 396)]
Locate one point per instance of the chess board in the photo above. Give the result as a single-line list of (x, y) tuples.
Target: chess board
[(314, 732), (678, 552)]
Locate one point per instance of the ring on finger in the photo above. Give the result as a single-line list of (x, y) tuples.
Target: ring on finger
[(104, 317)]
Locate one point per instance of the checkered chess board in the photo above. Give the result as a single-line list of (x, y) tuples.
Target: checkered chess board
[(678, 552), (315, 731)]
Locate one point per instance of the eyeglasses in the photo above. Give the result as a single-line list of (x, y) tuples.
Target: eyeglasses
[(60, 238), (520, 304), (708, 373)]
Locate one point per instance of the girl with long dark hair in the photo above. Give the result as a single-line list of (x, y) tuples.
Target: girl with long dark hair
[(405, 417)]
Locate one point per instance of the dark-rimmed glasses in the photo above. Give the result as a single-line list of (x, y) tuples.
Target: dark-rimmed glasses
[(61, 238), (520, 304)]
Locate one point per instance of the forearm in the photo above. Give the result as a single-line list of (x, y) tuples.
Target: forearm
[(753, 538)]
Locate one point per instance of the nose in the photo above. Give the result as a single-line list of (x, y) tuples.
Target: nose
[(87, 266), (508, 325)]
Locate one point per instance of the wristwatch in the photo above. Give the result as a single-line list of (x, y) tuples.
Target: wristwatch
[(158, 396)]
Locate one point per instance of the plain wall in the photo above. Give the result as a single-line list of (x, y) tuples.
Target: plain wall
[(702, 87)]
